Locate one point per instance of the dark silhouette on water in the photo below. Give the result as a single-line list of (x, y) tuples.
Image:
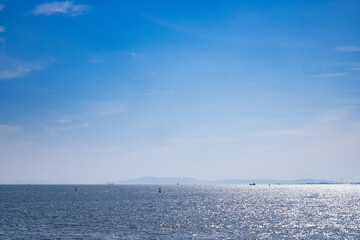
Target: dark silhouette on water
[(159, 190), (252, 184), (75, 189)]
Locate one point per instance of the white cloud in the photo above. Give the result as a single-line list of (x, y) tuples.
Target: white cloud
[(149, 92), (281, 133), (136, 55), (156, 92), (15, 70), (95, 60), (100, 109), (66, 8), (2, 29), (2, 6), (85, 113), (144, 76), (328, 124), (64, 121), (6, 129), (55, 130), (327, 75), (348, 49)]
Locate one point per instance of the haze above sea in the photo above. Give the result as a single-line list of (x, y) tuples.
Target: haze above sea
[(180, 212)]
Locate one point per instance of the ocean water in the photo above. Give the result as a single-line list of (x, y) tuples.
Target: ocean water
[(180, 212)]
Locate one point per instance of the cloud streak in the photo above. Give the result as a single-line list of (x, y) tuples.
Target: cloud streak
[(328, 75), (8, 129), (282, 133), (328, 124), (17, 71), (64, 121), (348, 49), (2, 29), (150, 92), (101, 109), (2, 6), (54, 131), (136, 55), (65, 8)]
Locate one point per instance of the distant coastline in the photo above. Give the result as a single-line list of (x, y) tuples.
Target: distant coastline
[(187, 181)]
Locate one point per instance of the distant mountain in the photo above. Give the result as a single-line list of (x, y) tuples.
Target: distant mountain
[(180, 180)]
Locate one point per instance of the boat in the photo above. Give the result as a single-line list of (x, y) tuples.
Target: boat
[(252, 184), (159, 190)]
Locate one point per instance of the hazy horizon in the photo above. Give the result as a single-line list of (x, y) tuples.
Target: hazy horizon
[(186, 180), (102, 91)]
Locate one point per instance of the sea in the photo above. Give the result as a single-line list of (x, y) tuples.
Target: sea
[(180, 212)]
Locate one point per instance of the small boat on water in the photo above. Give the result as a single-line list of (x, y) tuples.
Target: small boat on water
[(252, 184), (159, 190)]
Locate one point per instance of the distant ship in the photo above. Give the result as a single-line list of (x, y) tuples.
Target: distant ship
[(252, 184), (159, 190)]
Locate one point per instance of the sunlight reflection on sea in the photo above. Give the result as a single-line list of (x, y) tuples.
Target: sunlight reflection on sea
[(180, 212)]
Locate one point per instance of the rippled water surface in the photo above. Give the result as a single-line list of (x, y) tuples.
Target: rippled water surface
[(180, 212)]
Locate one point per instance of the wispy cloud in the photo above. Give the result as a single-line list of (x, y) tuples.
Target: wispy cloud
[(16, 70), (149, 92), (56, 130), (144, 76), (283, 132), (156, 92), (100, 109), (328, 75), (201, 32), (2, 6), (2, 29), (329, 123), (66, 8), (64, 121), (95, 60), (136, 55), (348, 49), (84, 112), (6, 129), (68, 123)]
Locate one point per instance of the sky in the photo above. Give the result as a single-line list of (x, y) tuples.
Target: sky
[(103, 91)]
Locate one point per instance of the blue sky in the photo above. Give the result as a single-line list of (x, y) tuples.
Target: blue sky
[(102, 91)]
